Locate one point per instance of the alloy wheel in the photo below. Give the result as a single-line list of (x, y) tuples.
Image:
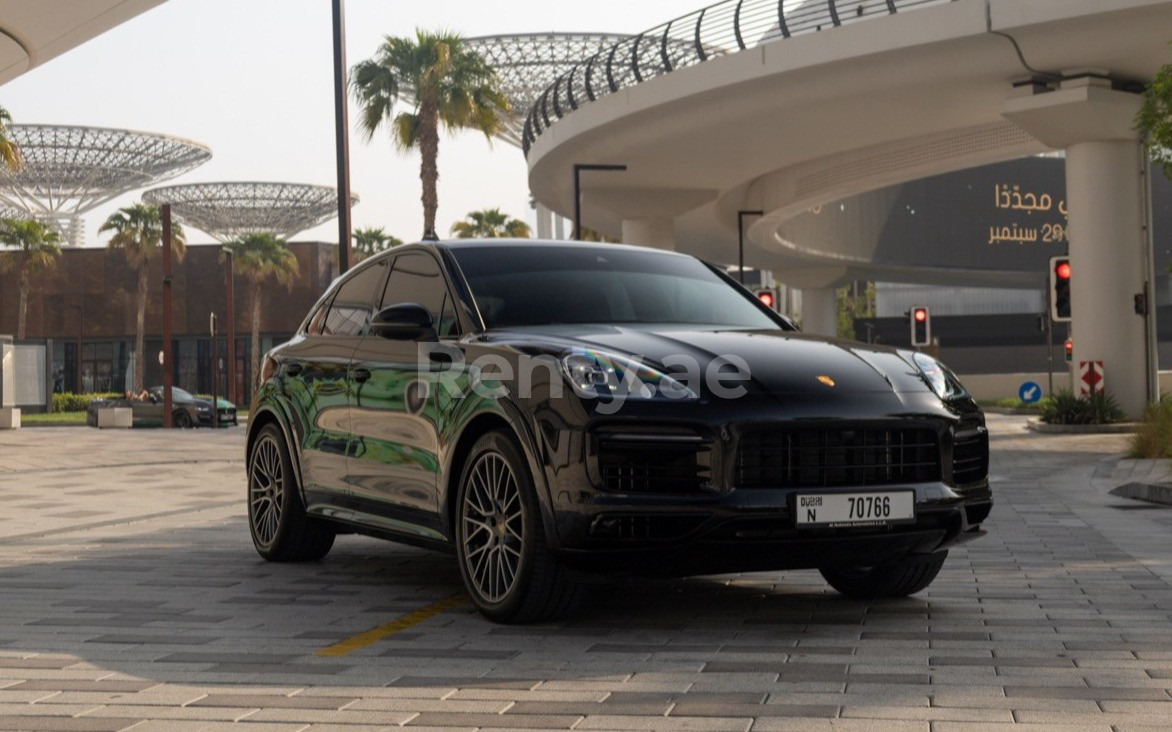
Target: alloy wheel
[(266, 489), (494, 527)]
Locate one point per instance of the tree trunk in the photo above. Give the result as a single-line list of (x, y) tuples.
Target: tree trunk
[(428, 167), (22, 312), (255, 337), (139, 329)]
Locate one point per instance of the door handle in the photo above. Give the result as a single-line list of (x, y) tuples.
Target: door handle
[(292, 369), (361, 375)]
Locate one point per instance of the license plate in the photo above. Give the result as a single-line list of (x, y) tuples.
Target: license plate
[(830, 510)]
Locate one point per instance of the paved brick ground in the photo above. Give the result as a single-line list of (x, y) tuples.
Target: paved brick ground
[(131, 598)]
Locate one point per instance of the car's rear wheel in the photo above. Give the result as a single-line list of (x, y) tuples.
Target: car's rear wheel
[(504, 559), (281, 530), (181, 419), (899, 578)]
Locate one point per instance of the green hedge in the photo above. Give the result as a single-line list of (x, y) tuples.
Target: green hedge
[(69, 402), (1066, 408)]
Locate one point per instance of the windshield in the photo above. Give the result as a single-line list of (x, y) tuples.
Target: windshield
[(550, 285), (176, 393)]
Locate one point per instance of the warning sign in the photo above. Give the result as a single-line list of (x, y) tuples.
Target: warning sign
[(1090, 377)]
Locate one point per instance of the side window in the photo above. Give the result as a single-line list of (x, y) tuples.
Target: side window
[(353, 306), (448, 325), (416, 278)]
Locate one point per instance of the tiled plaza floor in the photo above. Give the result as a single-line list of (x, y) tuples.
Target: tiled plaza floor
[(131, 598)]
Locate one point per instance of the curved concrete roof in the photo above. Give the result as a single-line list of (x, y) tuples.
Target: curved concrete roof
[(34, 31), (807, 120)]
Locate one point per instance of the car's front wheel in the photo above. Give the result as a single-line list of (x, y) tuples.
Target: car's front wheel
[(281, 530), (899, 578), (181, 419), (504, 558)]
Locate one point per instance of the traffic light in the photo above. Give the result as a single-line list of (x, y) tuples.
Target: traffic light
[(1060, 289), (767, 297), (921, 322), (1069, 347)]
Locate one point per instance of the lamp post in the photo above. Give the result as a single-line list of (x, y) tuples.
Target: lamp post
[(578, 168), (741, 239), (230, 316), (341, 131), (165, 213)]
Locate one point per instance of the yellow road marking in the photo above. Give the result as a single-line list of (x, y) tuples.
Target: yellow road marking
[(374, 635)]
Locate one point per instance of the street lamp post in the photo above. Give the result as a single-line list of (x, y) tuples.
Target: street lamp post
[(578, 168), (230, 316), (341, 131), (165, 212), (741, 239)]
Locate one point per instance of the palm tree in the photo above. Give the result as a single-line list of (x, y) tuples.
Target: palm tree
[(448, 84), (260, 258), (9, 152), (490, 224), (371, 241), (37, 248), (138, 232)]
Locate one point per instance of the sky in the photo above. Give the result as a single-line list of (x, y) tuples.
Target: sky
[(253, 80)]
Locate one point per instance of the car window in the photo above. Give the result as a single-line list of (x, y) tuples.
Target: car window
[(416, 278), (448, 325), (353, 306)]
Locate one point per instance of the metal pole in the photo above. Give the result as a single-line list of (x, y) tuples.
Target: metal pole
[(578, 168), (231, 315), (1049, 352), (215, 373), (741, 239), (341, 126), (165, 211)]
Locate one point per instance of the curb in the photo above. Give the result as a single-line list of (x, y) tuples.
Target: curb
[(1036, 425), (1150, 492)]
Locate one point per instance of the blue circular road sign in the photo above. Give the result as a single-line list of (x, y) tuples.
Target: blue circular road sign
[(1030, 392)]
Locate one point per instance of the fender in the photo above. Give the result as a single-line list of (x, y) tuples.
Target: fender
[(505, 409), (274, 408)]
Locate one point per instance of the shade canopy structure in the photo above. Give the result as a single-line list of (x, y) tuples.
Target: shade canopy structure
[(69, 170), (527, 63), (229, 210), (35, 31)]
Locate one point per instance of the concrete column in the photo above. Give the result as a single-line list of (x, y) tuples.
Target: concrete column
[(656, 232), (1109, 265), (1110, 251), (820, 312), (559, 227), (544, 222)]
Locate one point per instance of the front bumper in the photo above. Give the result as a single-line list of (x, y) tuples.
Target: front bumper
[(731, 508), (679, 540)]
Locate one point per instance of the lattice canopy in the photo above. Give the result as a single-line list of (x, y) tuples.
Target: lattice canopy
[(528, 63), (71, 170), (227, 211)]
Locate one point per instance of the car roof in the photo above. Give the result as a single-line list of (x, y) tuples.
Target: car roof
[(458, 244)]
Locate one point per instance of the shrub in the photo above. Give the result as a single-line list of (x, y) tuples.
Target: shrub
[(1153, 439), (1066, 408), (70, 402)]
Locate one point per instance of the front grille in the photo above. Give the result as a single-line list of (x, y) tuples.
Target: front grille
[(816, 457), (647, 463), (970, 457)]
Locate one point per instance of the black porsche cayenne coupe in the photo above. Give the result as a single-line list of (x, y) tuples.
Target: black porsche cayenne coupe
[(553, 411)]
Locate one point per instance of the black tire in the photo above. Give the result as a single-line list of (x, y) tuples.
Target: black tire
[(281, 531), (899, 578), (181, 420), (509, 531)]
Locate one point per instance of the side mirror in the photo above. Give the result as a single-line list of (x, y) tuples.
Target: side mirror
[(405, 322)]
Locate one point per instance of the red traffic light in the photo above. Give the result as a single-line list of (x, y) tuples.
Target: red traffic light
[(920, 314), (1063, 270), (1069, 347), (766, 298)]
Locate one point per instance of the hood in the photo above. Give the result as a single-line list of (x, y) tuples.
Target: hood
[(778, 361)]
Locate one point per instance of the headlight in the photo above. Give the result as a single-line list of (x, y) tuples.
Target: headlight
[(596, 374), (203, 409), (942, 381)]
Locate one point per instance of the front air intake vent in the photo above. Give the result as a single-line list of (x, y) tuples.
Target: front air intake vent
[(634, 462), (824, 457)]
